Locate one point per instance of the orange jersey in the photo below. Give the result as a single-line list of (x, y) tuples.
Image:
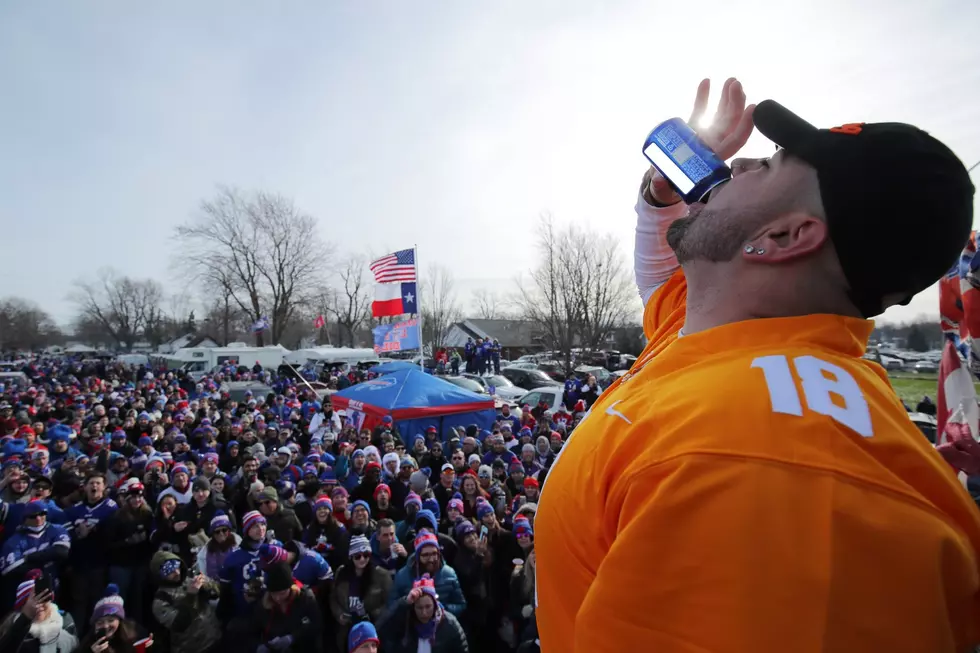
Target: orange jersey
[(756, 487)]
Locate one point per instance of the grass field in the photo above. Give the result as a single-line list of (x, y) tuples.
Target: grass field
[(911, 386)]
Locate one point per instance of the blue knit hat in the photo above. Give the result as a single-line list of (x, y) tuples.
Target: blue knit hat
[(433, 505), (483, 508), (360, 634), (360, 503), (429, 517)]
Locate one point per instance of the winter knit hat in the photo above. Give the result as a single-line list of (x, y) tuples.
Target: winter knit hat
[(522, 528), (483, 509), (360, 503), (463, 528), (270, 554), (110, 605), (360, 634), (180, 468), (381, 488), (278, 577), (413, 500), (201, 483), (323, 502), (24, 589), (455, 504), (485, 471), (428, 517), (220, 520), (359, 544), (425, 539), (427, 586), (433, 505), (340, 489), (251, 519)]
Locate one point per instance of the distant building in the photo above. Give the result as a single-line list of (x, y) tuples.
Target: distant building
[(516, 337), (187, 340)]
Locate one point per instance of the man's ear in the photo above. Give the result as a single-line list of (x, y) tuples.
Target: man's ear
[(787, 238)]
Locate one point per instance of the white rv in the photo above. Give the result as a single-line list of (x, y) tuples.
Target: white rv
[(198, 361)]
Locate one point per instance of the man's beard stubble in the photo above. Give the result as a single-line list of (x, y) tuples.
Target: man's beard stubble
[(705, 236)]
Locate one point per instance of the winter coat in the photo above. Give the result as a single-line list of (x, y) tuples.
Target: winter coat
[(199, 518), (128, 537), (302, 620), (190, 618), (209, 563), (56, 634), (399, 635), (283, 525), (374, 601), (445, 580)]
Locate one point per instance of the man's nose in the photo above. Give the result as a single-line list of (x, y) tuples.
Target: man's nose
[(745, 165)]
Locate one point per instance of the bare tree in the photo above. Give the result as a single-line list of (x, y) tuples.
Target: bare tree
[(440, 309), (488, 304), (580, 291), (545, 298), (262, 250), (350, 301), (25, 326), (126, 309), (603, 286)]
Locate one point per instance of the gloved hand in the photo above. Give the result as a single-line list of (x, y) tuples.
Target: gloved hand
[(281, 643)]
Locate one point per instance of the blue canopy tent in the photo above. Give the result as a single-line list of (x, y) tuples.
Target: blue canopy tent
[(394, 366), (415, 401)]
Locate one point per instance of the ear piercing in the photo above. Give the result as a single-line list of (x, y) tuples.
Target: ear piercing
[(752, 250)]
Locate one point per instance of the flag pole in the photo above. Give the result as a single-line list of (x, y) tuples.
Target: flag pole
[(418, 307)]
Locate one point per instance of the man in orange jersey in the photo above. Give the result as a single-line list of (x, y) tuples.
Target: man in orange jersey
[(753, 485)]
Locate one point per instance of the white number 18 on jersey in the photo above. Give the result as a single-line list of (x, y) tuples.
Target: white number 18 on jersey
[(821, 381)]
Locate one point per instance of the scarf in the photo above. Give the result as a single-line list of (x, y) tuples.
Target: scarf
[(427, 631)]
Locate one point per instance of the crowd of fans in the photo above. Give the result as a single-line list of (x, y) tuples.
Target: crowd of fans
[(141, 509)]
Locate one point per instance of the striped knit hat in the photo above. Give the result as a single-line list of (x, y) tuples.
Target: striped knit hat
[(24, 589), (270, 554), (251, 519), (425, 538), (180, 468), (220, 520), (359, 544), (522, 527), (413, 500), (323, 502)]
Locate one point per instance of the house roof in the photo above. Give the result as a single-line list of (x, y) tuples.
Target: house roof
[(509, 333)]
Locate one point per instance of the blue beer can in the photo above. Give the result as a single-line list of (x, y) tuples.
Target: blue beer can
[(684, 160)]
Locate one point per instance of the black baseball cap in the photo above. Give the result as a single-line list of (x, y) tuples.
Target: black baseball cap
[(899, 203)]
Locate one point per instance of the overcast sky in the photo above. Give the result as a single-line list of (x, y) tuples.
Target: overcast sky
[(451, 124)]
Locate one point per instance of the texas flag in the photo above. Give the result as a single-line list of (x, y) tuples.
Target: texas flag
[(394, 299)]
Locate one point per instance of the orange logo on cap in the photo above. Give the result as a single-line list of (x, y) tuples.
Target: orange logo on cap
[(852, 128)]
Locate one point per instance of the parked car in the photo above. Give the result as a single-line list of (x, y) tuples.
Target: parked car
[(554, 369), (528, 378), (523, 365), (601, 374), (466, 384), (551, 395), (926, 367), (502, 386)]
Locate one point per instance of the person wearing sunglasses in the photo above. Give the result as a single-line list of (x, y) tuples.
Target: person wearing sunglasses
[(359, 591)]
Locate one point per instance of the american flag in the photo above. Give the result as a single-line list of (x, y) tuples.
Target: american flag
[(395, 268)]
